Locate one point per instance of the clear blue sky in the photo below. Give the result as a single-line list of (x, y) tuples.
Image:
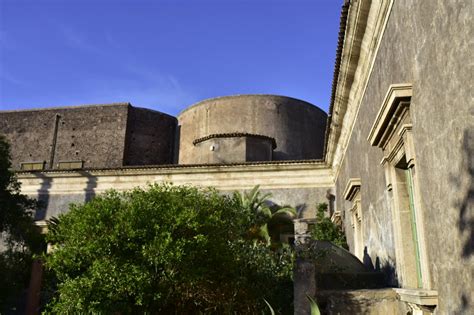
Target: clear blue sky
[(164, 55)]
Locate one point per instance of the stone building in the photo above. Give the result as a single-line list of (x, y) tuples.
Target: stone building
[(393, 157)]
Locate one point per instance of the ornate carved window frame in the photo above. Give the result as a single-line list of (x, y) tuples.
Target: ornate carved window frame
[(352, 194), (393, 133)]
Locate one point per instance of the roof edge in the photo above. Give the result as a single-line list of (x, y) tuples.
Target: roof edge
[(194, 105), (67, 107), (337, 64)]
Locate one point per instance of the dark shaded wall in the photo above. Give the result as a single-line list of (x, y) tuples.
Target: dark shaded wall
[(224, 151), (233, 149), (149, 137), (426, 43), (93, 134)]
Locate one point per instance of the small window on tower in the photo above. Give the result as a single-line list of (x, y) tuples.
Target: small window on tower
[(69, 165), (32, 166)]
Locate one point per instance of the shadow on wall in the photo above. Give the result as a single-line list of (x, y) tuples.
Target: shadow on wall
[(389, 270), (339, 302), (91, 184), (43, 196), (465, 205), (280, 156)]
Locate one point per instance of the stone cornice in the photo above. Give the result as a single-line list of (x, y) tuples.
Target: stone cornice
[(182, 168), (290, 176), (419, 297), (365, 26), (236, 135), (384, 116)]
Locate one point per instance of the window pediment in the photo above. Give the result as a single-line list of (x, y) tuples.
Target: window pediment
[(352, 188), (394, 106)]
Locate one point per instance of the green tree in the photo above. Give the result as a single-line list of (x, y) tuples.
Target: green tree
[(20, 238), (165, 249), (326, 230)]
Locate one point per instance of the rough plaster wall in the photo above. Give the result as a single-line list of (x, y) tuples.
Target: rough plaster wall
[(30, 135), (425, 43), (297, 126), (150, 137), (93, 134)]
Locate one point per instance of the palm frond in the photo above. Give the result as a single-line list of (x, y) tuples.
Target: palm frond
[(314, 306)]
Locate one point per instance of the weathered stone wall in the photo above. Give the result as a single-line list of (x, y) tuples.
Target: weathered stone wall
[(298, 127), (367, 302), (93, 134), (425, 43), (149, 137), (102, 136)]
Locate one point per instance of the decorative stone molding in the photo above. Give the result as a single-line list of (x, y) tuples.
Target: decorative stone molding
[(386, 118), (420, 301), (364, 30), (352, 194), (392, 133), (336, 218), (223, 177), (236, 135), (352, 188)]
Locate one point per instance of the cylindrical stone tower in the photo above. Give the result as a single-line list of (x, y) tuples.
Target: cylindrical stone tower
[(242, 128)]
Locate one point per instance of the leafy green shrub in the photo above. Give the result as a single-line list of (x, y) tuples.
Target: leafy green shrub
[(167, 249), (326, 230)]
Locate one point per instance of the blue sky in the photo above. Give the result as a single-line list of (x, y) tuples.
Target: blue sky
[(162, 54)]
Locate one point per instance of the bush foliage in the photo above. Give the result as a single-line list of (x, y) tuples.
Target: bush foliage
[(326, 230), (164, 249), (19, 236)]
